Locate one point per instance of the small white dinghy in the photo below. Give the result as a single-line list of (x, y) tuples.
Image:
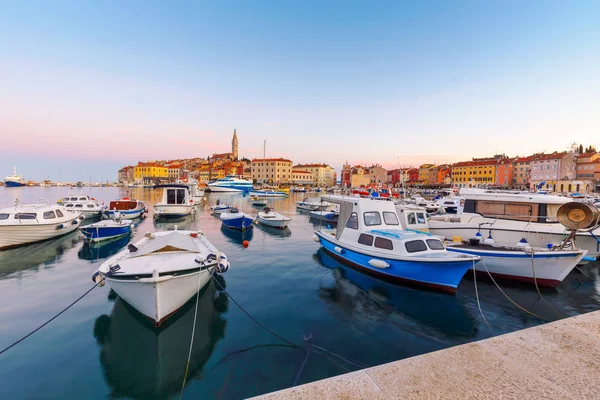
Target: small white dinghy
[(273, 219), (161, 272)]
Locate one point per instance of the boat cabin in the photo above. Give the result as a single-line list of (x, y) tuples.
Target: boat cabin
[(412, 218), (35, 213), (76, 199), (175, 195), (518, 206), (124, 204)]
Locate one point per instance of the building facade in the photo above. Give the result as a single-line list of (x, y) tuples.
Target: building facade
[(271, 170), (150, 172), (504, 173), (377, 174), (300, 177), (360, 177), (479, 173), (323, 175)]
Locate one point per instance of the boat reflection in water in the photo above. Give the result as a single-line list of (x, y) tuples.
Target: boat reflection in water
[(275, 231), (141, 361), (182, 223), (356, 292), (32, 256), (237, 236), (93, 251)]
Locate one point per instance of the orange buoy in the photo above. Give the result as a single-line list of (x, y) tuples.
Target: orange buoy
[(245, 243)]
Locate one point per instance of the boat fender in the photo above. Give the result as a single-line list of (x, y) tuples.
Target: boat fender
[(98, 278), (378, 263), (74, 222), (339, 250), (211, 257), (522, 243), (60, 226), (82, 217), (316, 238)]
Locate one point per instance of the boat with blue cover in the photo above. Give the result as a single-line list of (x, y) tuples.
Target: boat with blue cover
[(268, 193), (235, 219), (105, 230), (369, 237)]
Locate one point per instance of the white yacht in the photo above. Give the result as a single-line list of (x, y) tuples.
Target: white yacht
[(230, 183), (176, 202), (28, 223), (86, 205), (14, 180), (509, 217)]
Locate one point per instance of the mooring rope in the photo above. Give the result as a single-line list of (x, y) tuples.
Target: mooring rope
[(51, 319), (478, 303), (538, 288)]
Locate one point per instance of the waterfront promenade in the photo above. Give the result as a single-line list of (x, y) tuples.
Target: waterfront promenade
[(558, 360)]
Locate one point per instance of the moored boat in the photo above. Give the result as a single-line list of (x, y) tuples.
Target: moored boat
[(272, 218), (14, 180), (331, 217), (235, 219), (259, 201), (86, 205), (268, 193), (125, 208), (28, 223), (219, 208), (105, 230), (176, 202), (162, 271), (370, 238), (230, 183)]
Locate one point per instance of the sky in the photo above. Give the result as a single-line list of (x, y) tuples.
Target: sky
[(89, 86)]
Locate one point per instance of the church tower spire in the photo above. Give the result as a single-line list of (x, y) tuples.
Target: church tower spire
[(234, 145)]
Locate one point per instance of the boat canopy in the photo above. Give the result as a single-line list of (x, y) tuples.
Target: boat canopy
[(173, 242), (347, 204)]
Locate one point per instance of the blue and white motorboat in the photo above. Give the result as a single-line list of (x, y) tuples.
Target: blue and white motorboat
[(14, 180), (369, 237), (219, 207), (230, 183), (125, 208), (235, 219), (268, 193), (330, 217), (107, 229)]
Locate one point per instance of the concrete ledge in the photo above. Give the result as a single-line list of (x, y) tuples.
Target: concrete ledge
[(556, 360)]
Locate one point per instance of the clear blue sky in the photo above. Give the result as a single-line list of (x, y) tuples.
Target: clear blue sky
[(89, 86)]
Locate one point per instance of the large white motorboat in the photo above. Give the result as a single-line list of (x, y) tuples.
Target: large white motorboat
[(176, 202), (516, 261), (230, 183), (161, 272), (369, 237), (14, 180), (29, 223), (86, 205), (509, 217)]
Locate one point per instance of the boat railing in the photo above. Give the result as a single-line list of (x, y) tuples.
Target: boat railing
[(532, 218)]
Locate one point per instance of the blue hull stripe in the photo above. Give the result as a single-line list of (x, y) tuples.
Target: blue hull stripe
[(13, 184), (104, 233), (238, 223), (444, 276)]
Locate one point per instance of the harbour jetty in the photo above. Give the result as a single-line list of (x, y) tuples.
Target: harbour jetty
[(558, 360)]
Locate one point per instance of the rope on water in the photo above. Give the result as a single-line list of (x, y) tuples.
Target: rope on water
[(187, 364), (508, 297), (478, 303), (51, 319), (307, 340), (292, 344), (538, 288)]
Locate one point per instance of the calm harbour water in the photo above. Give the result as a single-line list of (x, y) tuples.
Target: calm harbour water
[(101, 348)]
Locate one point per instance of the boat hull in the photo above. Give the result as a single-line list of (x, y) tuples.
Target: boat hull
[(279, 224), (19, 235), (172, 210), (536, 236), (94, 234), (440, 276), (13, 184), (159, 297), (550, 268), (127, 214), (241, 223)]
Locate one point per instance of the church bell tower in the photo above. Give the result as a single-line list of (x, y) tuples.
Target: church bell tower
[(234, 145)]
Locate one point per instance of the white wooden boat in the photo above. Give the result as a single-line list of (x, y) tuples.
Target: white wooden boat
[(219, 208), (125, 208), (312, 204), (259, 201), (176, 202), (273, 219), (330, 216), (106, 229), (28, 223), (161, 272)]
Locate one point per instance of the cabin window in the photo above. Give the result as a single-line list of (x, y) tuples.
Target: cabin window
[(352, 221), (90, 206), (372, 218), (171, 196), (505, 210), (25, 216), (69, 205), (82, 199), (384, 243), (415, 246), (411, 218), (421, 218), (49, 215), (59, 214), (78, 205), (180, 196), (435, 244), (390, 218), (4, 216), (73, 198), (365, 239)]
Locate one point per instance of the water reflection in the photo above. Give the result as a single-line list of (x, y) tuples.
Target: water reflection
[(274, 231), (96, 251), (236, 236), (141, 361), (31, 256), (356, 293)]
